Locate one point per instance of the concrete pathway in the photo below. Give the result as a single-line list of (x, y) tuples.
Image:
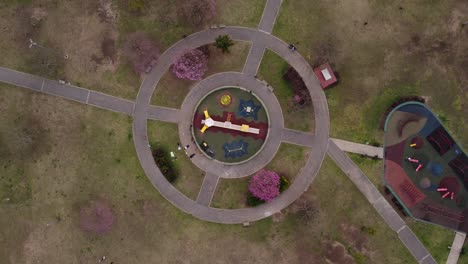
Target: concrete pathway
[(276, 123), (357, 148), (208, 189), (163, 114), (69, 92), (302, 180), (457, 246), (384, 209), (269, 15), (254, 59), (298, 137)]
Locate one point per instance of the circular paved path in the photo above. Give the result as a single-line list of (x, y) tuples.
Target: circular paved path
[(276, 123), (302, 180)]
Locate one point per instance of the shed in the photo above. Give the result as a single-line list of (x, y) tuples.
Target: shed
[(325, 75)]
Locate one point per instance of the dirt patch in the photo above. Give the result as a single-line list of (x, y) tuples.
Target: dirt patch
[(354, 236), (96, 217), (305, 252), (336, 254)]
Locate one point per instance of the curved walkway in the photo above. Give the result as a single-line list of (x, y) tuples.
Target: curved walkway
[(304, 178), (276, 124)]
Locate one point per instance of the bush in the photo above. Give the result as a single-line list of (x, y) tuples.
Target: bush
[(265, 185), (191, 66), (284, 184), (298, 86), (253, 201), (368, 230), (163, 160), (223, 42)]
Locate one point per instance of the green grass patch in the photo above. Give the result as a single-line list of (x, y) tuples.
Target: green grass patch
[(435, 238), (166, 136), (231, 193), (294, 156)]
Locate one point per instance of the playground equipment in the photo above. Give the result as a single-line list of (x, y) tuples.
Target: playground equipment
[(419, 167), (413, 145), (412, 160), (209, 122), (447, 193)]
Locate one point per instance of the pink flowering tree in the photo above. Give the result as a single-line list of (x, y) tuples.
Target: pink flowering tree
[(191, 66), (265, 185)]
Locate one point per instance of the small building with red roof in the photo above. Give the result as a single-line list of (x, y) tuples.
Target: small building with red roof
[(325, 75)]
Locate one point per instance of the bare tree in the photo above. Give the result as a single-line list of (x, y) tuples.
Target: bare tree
[(141, 51), (199, 12)]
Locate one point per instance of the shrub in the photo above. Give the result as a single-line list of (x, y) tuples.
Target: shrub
[(191, 66), (253, 201), (223, 42), (368, 230), (265, 185), (298, 86), (162, 159), (284, 184)]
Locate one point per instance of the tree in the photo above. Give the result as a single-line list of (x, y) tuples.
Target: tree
[(223, 42), (265, 185), (191, 66), (141, 51), (300, 89), (199, 12)]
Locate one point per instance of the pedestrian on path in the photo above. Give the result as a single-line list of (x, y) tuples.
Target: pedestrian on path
[(186, 147), (191, 156), (102, 259), (179, 147)]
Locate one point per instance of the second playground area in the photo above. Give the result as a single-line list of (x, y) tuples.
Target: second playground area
[(230, 125), (425, 168)]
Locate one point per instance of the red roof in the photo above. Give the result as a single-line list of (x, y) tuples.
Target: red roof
[(325, 75)]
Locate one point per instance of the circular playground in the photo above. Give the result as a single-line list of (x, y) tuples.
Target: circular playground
[(230, 125)]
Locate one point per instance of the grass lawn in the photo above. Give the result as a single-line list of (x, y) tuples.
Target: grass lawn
[(171, 91), (435, 238), (86, 153), (272, 69), (381, 51), (231, 193), (294, 156), (342, 209), (190, 177)]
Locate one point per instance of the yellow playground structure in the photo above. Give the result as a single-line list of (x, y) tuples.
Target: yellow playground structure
[(209, 122)]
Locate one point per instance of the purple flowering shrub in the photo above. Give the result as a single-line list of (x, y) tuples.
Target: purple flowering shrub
[(191, 66), (265, 185)]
